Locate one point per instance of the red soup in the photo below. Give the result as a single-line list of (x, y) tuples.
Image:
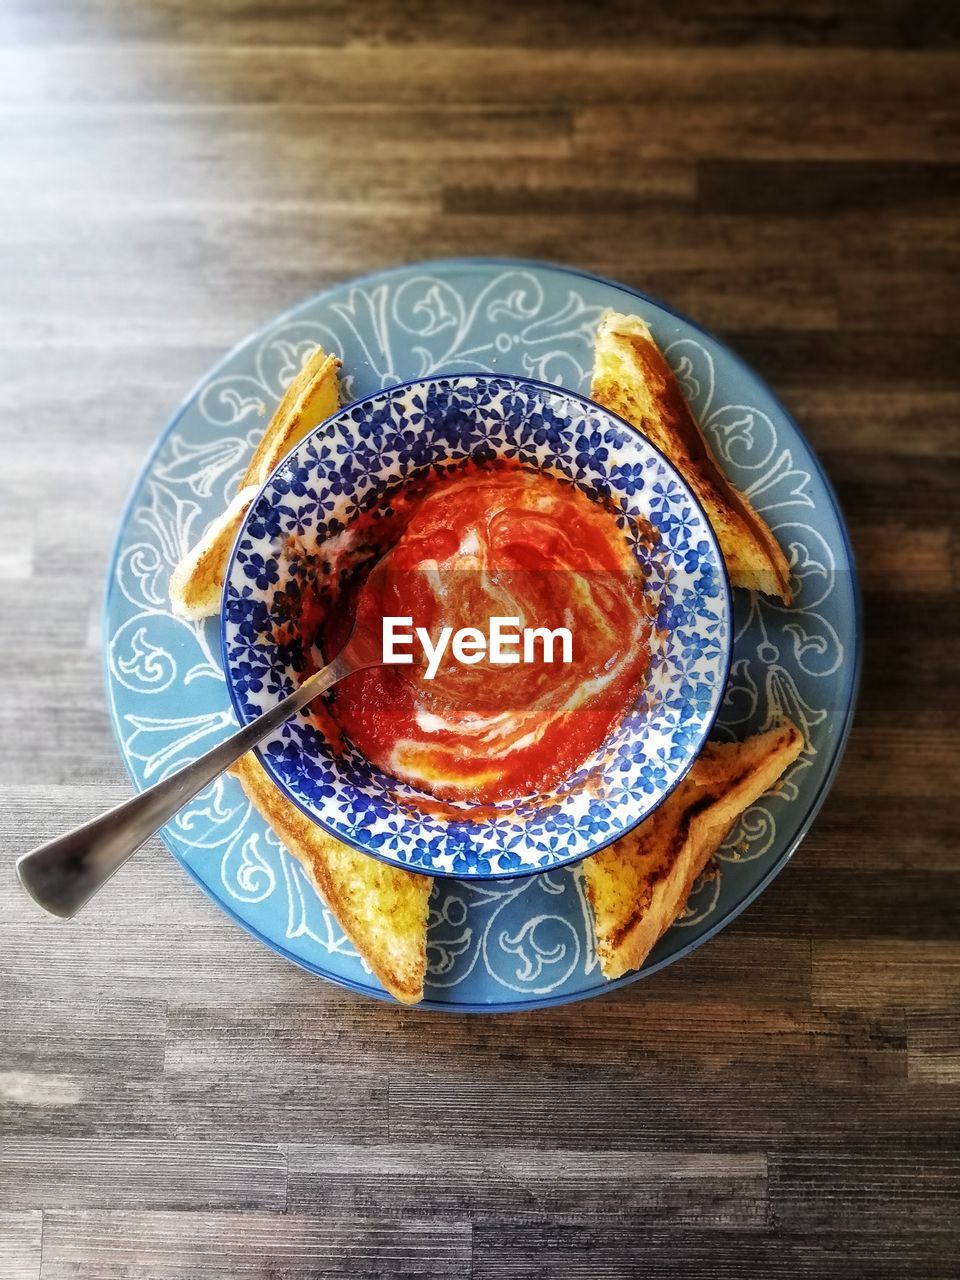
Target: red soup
[(468, 546)]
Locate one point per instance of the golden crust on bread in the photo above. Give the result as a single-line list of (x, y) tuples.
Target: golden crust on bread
[(638, 886), (313, 395), (197, 582), (381, 909), (632, 378)]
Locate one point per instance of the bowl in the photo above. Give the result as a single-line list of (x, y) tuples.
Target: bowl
[(402, 433)]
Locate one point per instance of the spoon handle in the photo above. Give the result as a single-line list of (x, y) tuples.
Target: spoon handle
[(65, 873)]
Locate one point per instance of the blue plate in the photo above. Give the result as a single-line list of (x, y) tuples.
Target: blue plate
[(506, 944)]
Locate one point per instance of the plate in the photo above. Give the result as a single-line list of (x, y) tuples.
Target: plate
[(505, 944)]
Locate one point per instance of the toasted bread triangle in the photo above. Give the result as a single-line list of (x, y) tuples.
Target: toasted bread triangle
[(638, 886), (314, 394), (631, 378), (196, 584), (381, 909)]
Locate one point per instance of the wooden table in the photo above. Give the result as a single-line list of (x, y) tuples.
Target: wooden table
[(176, 1101)]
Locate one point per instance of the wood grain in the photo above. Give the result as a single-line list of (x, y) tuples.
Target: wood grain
[(142, 1174), (20, 1243), (391, 1181), (255, 1246), (175, 1101), (591, 1251), (933, 1048)]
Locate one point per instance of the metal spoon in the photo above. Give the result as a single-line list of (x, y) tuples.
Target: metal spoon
[(64, 874)]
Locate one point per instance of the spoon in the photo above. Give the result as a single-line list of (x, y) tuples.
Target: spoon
[(65, 873)]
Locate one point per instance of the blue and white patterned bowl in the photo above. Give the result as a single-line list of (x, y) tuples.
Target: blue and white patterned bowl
[(400, 434)]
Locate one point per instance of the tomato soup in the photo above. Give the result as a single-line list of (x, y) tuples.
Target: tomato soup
[(482, 543)]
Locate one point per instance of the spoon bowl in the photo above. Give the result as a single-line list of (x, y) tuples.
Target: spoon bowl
[(63, 874)]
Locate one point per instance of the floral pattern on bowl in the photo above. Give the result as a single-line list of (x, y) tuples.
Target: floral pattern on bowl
[(375, 444)]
